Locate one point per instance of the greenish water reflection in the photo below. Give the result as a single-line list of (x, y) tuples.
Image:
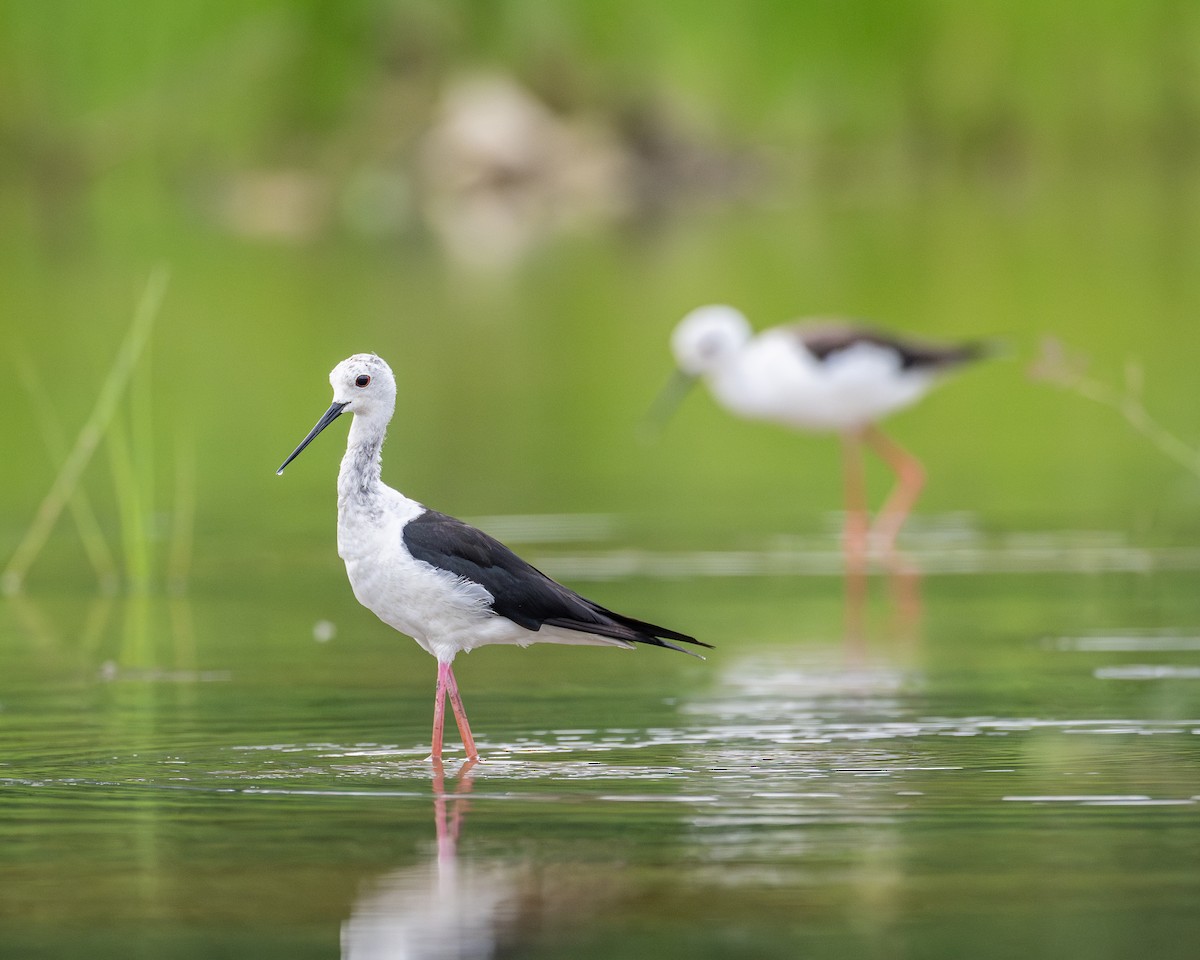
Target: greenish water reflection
[(1017, 774)]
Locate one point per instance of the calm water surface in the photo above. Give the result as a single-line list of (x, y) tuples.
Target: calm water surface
[(1001, 764)]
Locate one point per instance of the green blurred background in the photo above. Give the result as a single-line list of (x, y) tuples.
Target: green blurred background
[(513, 203)]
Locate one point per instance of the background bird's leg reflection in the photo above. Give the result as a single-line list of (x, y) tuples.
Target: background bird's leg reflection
[(904, 605), (903, 574), (904, 588)]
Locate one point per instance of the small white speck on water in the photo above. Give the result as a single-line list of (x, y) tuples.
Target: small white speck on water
[(324, 630)]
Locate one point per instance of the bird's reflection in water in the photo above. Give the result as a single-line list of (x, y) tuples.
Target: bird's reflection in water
[(905, 605), (440, 908), (448, 812)]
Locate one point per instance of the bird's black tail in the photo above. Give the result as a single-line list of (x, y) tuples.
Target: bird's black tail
[(620, 627)]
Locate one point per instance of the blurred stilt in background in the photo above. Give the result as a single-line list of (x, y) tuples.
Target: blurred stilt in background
[(825, 377)]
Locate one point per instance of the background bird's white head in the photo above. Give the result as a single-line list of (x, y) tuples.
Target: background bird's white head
[(707, 337), (366, 385)]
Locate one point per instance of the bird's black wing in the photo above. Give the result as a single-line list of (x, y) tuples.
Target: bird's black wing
[(825, 340), (520, 591)]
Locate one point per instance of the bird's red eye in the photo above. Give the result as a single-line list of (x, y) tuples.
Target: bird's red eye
[(362, 381)]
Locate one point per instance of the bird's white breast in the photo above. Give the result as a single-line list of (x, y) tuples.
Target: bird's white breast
[(444, 613)]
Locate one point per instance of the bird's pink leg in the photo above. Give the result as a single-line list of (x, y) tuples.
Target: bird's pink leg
[(439, 712), (460, 715), (910, 478)]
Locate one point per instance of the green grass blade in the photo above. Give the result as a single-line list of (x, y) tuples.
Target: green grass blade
[(89, 436), (95, 544)]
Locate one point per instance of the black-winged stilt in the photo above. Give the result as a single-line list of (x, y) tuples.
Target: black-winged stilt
[(825, 376), (444, 583)]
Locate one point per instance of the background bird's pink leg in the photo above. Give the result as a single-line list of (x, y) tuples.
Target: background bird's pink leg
[(910, 478), (855, 539), (460, 715), (439, 712)]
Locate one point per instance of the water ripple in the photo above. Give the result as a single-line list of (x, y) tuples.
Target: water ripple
[(971, 553)]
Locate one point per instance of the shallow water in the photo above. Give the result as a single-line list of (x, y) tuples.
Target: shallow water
[(1000, 765)]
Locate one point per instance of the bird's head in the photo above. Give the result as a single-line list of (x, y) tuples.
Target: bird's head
[(701, 342), (707, 337), (363, 385)]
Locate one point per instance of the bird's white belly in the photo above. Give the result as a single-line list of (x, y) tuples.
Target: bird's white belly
[(443, 613), (775, 381)]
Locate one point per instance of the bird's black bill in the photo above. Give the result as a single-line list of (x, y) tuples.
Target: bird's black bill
[(665, 404), (330, 415)]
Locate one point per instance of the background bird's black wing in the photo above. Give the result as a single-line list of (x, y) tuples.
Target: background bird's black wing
[(520, 591), (823, 341)]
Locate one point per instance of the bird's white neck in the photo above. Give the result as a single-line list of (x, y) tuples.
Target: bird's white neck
[(359, 476)]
